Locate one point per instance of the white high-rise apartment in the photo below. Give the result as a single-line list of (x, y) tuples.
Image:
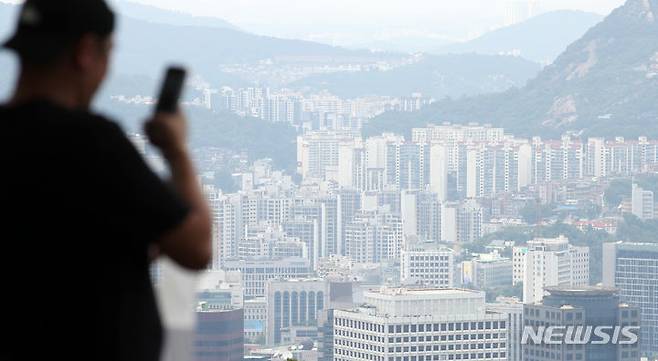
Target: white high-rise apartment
[(452, 135), (461, 222), (439, 171), (642, 203), (518, 264), (525, 165), (227, 227), (428, 265), (377, 160), (469, 221), (553, 262), (596, 157), (554, 160), (457, 133), (399, 324), (351, 169), (449, 221), (409, 213), (373, 236), (319, 152)]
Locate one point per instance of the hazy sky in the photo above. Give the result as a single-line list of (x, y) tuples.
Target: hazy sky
[(394, 12), (343, 21), (309, 18), (246, 12)]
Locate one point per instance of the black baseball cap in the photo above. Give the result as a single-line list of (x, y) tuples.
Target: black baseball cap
[(46, 27)]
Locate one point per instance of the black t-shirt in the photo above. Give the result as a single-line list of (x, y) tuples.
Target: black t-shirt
[(80, 209)]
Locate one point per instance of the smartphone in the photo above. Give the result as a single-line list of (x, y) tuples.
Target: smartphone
[(171, 90)]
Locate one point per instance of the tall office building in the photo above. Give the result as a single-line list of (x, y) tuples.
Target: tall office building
[(293, 309), (513, 309), (581, 307), (219, 334), (329, 227), (427, 264), (420, 324), (553, 262), (633, 269), (349, 204)]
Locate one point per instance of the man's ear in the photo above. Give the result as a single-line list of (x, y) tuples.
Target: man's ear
[(85, 52)]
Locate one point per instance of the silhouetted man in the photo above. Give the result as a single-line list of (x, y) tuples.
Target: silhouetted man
[(81, 209)]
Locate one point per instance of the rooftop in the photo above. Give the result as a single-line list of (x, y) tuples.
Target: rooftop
[(395, 291), (582, 291), (298, 280), (641, 247)]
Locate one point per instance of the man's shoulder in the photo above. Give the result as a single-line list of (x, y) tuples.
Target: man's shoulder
[(87, 120), (45, 115)]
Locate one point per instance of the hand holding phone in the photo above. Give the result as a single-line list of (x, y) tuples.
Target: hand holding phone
[(171, 90), (167, 130)]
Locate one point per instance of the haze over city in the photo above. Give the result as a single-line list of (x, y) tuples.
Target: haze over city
[(346, 180)]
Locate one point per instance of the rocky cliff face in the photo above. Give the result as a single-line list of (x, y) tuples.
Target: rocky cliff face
[(608, 76), (605, 83)]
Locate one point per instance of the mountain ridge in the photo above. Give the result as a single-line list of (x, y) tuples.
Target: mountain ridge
[(603, 84), (541, 38), (438, 76), (155, 14)]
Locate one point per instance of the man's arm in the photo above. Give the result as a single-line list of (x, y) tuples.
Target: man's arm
[(189, 244)]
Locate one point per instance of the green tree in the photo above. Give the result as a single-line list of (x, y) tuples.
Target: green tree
[(634, 229), (510, 291), (533, 212)]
